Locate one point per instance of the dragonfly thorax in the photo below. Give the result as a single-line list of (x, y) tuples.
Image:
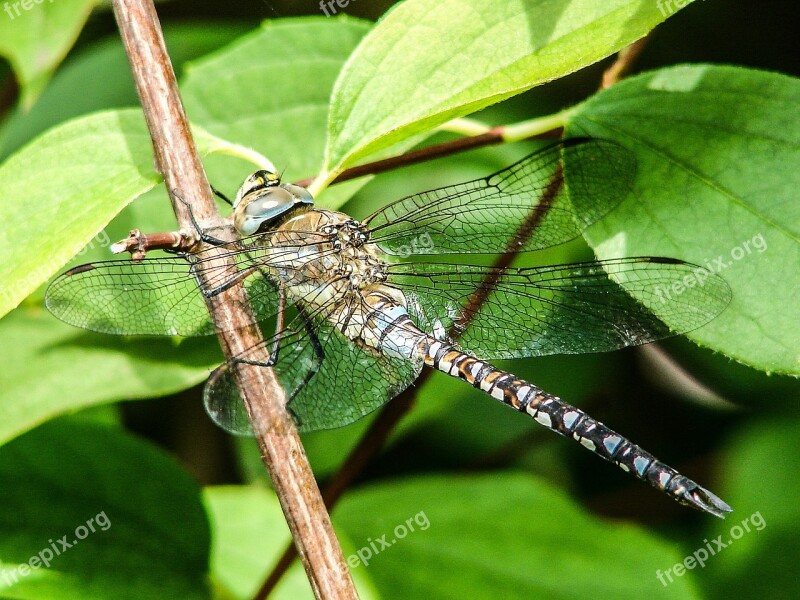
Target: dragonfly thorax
[(322, 254)]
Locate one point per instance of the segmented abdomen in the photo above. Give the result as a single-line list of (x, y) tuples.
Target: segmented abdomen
[(570, 421)]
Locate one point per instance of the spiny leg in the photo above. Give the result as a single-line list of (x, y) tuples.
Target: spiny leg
[(276, 338), (201, 233), (221, 196), (313, 367), (225, 285)]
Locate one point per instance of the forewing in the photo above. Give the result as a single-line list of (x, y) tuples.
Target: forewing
[(156, 296), (565, 309), (544, 200)]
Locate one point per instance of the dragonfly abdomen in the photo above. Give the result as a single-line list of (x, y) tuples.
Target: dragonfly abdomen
[(569, 421)]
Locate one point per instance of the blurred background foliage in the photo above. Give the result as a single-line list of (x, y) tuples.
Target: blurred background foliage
[(508, 503)]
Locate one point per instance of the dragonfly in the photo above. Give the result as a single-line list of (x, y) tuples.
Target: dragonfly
[(360, 307)]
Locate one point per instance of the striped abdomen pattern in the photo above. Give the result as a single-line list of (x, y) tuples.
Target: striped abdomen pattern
[(569, 421)]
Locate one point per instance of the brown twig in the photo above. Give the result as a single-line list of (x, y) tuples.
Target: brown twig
[(368, 446), (139, 244), (448, 148), (623, 63), (178, 161)]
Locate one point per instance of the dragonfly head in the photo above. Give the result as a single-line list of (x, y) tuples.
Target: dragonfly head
[(263, 198)]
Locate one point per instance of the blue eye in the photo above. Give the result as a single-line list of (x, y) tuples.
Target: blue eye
[(261, 200)]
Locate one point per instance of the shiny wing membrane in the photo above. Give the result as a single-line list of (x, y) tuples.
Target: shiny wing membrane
[(161, 296), (545, 199), (329, 381), (564, 309)]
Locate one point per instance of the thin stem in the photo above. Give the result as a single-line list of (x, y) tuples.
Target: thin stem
[(537, 127), (221, 146), (179, 163), (545, 127), (623, 63), (465, 126)]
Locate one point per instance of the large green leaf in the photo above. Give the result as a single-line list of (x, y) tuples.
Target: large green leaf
[(717, 149), (66, 94), (249, 533), (134, 519), (762, 538), (36, 35), (270, 91), (55, 368), (498, 536), (426, 63), (60, 190)]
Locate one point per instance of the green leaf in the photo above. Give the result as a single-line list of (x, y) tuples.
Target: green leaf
[(65, 96), (55, 368), (270, 91), (498, 536), (249, 534), (36, 35), (762, 548), (62, 189), (134, 518), (425, 64), (104, 161), (717, 150)]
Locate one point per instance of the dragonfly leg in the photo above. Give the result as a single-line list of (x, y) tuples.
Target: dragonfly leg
[(221, 196), (201, 233), (313, 366), (225, 285)]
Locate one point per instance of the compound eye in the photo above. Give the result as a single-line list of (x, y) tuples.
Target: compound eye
[(300, 193), (268, 207), (261, 207)]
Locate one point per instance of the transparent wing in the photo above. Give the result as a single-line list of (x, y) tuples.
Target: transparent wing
[(329, 380), (565, 309), (543, 200), (157, 296)]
